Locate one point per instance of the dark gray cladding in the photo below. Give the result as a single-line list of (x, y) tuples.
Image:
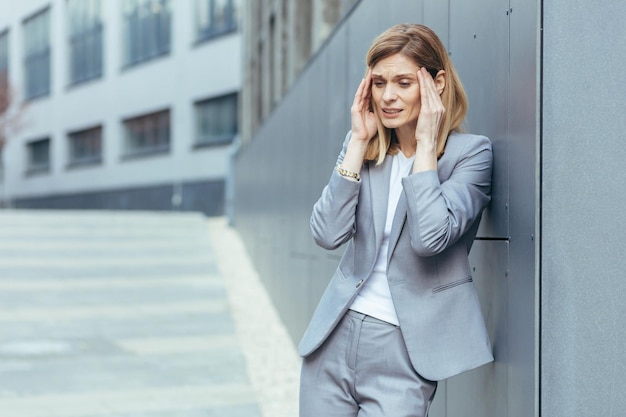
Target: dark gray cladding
[(204, 196)]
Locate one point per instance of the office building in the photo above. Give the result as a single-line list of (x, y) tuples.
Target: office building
[(127, 104)]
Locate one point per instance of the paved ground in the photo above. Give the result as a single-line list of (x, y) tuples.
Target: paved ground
[(115, 314)]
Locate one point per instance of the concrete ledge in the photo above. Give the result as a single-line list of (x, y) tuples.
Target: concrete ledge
[(203, 196), (272, 362)]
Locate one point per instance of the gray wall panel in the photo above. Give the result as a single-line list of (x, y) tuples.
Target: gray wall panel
[(583, 370), (479, 47), (309, 151), (484, 391), (360, 37), (523, 207), (390, 13), (436, 15), (339, 98)]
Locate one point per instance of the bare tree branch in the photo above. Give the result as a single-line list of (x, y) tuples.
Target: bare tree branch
[(11, 110)]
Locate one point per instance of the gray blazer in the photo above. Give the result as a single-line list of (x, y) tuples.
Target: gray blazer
[(428, 270)]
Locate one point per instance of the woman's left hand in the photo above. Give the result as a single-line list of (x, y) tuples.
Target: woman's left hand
[(431, 111)]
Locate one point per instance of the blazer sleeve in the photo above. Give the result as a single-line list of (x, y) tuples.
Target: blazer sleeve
[(438, 214), (333, 219)]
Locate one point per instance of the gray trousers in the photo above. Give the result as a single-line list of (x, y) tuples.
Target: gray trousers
[(363, 369)]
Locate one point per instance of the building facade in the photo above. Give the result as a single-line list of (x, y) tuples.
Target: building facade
[(124, 104), (279, 38)]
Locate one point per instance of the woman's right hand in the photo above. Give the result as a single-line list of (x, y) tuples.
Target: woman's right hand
[(364, 125)]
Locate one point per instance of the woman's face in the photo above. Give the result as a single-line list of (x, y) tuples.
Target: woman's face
[(395, 91)]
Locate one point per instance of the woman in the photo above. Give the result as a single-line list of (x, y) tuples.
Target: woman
[(401, 311)]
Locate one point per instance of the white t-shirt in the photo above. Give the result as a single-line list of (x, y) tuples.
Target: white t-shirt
[(374, 298)]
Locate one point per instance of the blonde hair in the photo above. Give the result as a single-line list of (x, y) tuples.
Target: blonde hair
[(423, 46)]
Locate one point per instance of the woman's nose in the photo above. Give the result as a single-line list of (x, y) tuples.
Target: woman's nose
[(389, 94)]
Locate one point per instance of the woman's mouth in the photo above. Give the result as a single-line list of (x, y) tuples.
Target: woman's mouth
[(391, 112)]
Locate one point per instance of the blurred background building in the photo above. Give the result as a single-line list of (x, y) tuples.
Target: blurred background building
[(279, 38), (130, 104)]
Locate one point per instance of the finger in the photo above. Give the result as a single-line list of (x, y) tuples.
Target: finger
[(358, 95), (367, 88), (436, 95), (421, 81), (425, 93), (426, 86), (431, 108), (430, 90), (429, 83)]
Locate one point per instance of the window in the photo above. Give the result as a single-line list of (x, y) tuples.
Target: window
[(37, 55), (38, 156), (147, 134), (85, 40), (85, 147), (215, 17), (216, 120), (146, 29), (4, 58), (4, 73)]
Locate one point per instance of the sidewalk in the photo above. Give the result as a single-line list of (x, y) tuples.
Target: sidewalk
[(117, 314)]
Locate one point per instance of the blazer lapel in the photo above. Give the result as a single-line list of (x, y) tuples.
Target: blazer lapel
[(379, 192), (399, 218), (396, 227)]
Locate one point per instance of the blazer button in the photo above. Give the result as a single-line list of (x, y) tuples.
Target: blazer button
[(358, 284)]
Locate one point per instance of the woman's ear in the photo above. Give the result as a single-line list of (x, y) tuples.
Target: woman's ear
[(440, 81)]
